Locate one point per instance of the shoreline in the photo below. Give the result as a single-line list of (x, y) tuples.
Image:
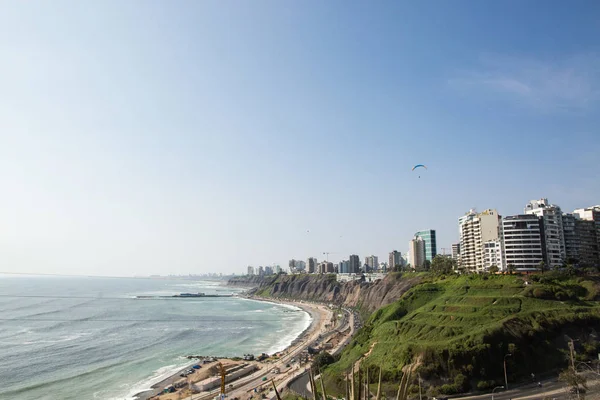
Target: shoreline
[(317, 317)]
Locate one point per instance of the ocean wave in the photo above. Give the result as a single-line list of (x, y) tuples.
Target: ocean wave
[(145, 384), (65, 379)]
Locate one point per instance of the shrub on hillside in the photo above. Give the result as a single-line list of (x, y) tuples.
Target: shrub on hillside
[(449, 389), (485, 385), (461, 383)]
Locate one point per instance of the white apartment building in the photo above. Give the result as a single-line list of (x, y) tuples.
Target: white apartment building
[(523, 242), (416, 251), (493, 255), (475, 230), (551, 217)]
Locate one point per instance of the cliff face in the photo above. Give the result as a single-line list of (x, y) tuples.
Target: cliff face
[(368, 296)]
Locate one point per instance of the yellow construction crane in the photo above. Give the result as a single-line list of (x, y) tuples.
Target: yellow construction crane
[(222, 371)]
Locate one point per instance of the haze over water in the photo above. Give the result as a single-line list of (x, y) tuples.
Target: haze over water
[(89, 338)]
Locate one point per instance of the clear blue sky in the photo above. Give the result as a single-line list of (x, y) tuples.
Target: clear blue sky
[(145, 137)]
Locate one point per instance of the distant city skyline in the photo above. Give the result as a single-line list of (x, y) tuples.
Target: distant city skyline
[(190, 137)]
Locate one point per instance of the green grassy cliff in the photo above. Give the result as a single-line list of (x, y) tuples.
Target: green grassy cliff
[(455, 332)]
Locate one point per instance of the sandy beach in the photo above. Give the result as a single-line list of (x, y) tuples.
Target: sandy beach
[(320, 319)]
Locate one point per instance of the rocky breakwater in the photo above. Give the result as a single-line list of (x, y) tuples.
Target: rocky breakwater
[(367, 296)]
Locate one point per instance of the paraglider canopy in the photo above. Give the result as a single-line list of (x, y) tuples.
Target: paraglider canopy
[(419, 166)]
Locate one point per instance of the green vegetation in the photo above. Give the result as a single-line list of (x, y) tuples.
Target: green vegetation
[(454, 331)]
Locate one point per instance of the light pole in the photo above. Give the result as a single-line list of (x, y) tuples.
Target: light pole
[(505, 377), (497, 387), (419, 375)]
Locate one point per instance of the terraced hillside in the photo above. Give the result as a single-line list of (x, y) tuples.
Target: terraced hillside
[(456, 331)]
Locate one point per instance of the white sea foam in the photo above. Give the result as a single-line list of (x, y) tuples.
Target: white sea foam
[(146, 384)]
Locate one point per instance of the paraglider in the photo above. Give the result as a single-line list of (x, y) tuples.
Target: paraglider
[(419, 166)]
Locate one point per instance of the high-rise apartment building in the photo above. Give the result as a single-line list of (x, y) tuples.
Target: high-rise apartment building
[(394, 259), (372, 263), (589, 247), (416, 251), (552, 229), (523, 242), (354, 261), (311, 264), (475, 230), (570, 237), (277, 269), (429, 239), (581, 241), (344, 267), (493, 255), (326, 267), (250, 270), (591, 214), (456, 251), (261, 271), (268, 270)]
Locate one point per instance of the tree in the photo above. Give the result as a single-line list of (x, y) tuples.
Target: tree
[(322, 359), (426, 265), (572, 378), (542, 266), (442, 264), (510, 268), (493, 269)]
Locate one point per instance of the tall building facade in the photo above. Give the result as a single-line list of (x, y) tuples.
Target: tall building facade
[(430, 242), (416, 251), (475, 230), (354, 261), (250, 270), (552, 229), (372, 263), (589, 248), (591, 214), (394, 258), (493, 255), (344, 267), (278, 269), (261, 271), (523, 242), (455, 251), (571, 238), (268, 270), (311, 265), (581, 241)]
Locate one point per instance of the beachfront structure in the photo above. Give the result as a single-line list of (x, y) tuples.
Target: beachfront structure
[(552, 229), (430, 242), (475, 230), (416, 251), (523, 242)]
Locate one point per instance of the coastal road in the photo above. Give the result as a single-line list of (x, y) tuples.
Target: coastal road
[(551, 389), (243, 388)]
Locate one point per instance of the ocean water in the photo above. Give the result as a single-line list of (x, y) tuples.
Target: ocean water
[(90, 338)]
